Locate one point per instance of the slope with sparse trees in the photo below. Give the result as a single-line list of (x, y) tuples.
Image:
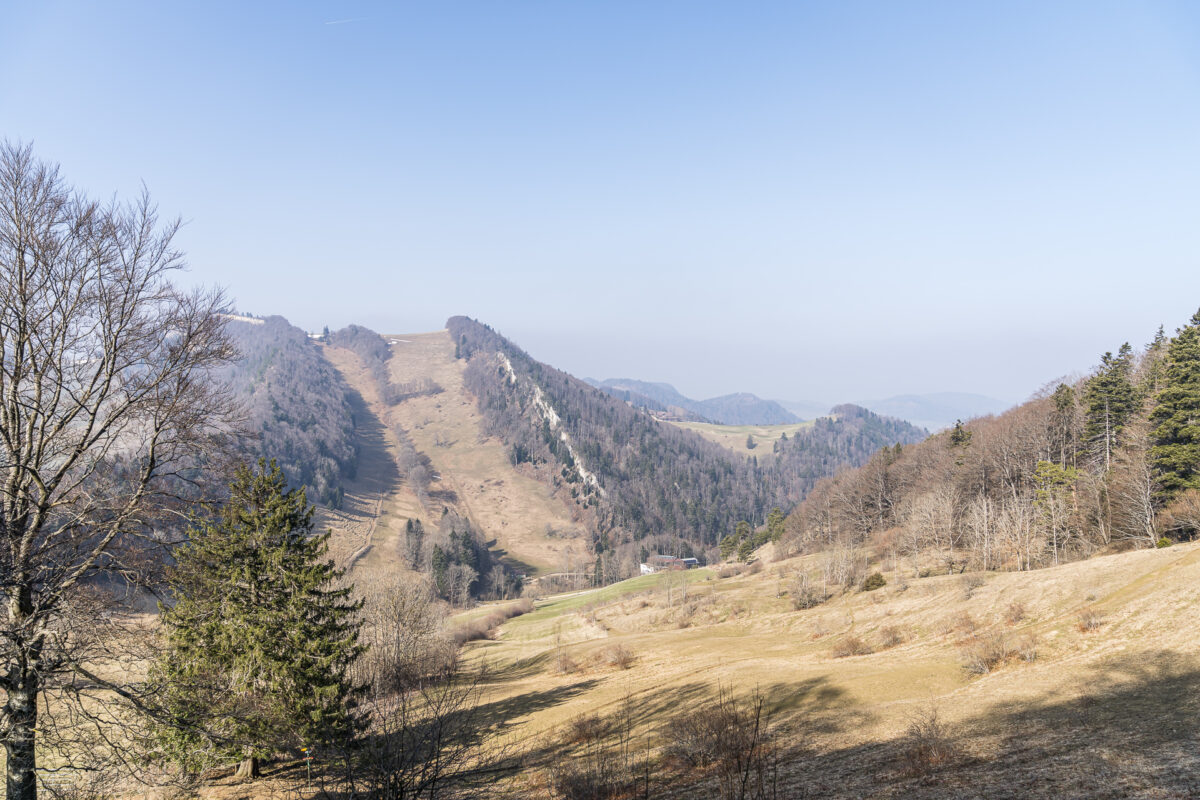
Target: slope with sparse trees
[(1108, 461)]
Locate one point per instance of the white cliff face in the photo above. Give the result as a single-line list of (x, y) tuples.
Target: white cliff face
[(547, 412)]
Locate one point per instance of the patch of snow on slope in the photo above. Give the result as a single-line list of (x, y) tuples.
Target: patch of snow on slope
[(548, 413)]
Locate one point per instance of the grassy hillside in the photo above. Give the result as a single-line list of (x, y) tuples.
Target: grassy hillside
[(1103, 709), (468, 471), (730, 409), (736, 437)]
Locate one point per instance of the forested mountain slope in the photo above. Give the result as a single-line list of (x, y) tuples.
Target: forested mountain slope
[(1109, 461), (298, 405), (646, 484), (529, 465)]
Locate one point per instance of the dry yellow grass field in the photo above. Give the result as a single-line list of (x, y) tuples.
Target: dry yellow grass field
[(1108, 712)]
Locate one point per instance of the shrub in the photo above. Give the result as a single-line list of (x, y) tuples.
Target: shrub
[(891, 636), (804, 593), (604, 765), (618, 655), (483, 627), (851, 645), (985, 653), (586, 728), (1163, 542), (927, 744), (969, 584), (1090, 620), (874, 581), (1014, 613), (963, 623), (729, 571), (565, 664), (730, 738)]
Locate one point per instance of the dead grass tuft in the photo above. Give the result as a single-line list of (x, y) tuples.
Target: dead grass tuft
[(1027, 648), (1090, 620)]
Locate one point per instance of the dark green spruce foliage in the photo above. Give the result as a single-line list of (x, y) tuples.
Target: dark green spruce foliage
[(1110, 401), (959, 435), (1176, 416), (261, 636), (775, 524)]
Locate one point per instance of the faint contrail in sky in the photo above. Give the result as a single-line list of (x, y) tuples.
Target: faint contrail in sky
[(344, 21)]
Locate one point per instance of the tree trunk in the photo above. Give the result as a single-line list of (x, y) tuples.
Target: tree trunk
[(248, 769), (22, 759)]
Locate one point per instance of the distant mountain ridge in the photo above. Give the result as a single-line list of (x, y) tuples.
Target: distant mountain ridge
[(741, 408), (933, 411)]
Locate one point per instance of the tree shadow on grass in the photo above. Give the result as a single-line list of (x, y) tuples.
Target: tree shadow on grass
[(1129, 728), (499, 714)]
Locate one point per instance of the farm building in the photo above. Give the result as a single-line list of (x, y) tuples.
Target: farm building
[(660, 563)]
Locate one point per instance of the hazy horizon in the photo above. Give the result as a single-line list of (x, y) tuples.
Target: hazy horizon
[(807, 202)]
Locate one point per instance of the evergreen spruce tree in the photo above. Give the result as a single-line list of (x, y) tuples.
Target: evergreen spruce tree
[(1110, 401), (261, 636), (1176, 416), (959, 435), (775, 524), (1150, 379)]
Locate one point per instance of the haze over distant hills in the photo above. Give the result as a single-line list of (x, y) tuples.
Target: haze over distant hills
[(732, 409), (933, 411), (937, 410)]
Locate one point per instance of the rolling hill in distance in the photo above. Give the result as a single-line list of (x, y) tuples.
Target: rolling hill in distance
[(731, 409), (932, 411)]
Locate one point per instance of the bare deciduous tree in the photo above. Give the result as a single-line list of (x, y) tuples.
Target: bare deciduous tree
[(104, 410)]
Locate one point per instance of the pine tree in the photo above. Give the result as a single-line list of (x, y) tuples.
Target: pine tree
[(1176, 415), (260, 638), (1110, 401)]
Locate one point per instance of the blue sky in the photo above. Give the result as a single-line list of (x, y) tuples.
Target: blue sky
[(804, 200)]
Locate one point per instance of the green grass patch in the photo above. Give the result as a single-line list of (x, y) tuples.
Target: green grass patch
[(551, 608)]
